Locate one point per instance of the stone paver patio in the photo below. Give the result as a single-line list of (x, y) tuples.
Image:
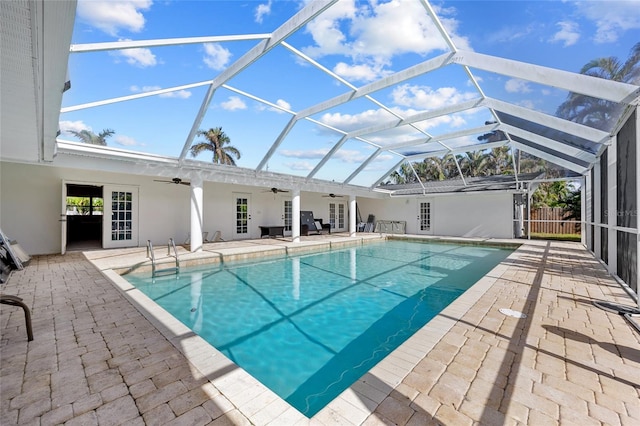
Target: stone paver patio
[(102, 356)]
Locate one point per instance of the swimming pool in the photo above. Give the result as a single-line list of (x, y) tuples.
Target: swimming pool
[(309, 326)]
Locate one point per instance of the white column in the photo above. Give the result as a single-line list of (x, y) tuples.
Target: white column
[(295, 216), (352, 216), (612, 206), (595, 193), (588, 192), (196, 214)]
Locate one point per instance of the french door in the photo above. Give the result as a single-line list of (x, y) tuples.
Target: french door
[(338, 216), (424, 218), (287, 216), (120, 225), (242, 210)]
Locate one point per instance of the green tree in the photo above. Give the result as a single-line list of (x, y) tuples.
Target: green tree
[(598, 112), (475, 164), (440, 168), (404, 174), (217, 142), (572, 207), (89, 137), (499, 161), (551, 194)]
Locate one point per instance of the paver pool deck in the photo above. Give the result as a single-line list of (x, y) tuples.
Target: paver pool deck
[(103, 354)]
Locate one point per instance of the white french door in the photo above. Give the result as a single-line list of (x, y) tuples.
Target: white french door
[(120, 225), (242, 211), (424, 217), (287, 216), (338, 216)]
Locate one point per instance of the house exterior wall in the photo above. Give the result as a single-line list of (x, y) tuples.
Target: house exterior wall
[(31, 204), (482, 214)]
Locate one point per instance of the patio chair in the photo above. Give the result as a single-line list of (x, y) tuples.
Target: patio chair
[(217, 237), (10, 260), (7, 299), (310, 224)]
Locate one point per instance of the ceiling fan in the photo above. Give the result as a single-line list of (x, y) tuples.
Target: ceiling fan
[(275, 190), (175, 180), (333, 196)]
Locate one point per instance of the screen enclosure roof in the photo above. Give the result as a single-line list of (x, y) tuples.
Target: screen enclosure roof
[(328, 95)]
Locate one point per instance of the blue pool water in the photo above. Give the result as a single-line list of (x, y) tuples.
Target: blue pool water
[(309, 326)]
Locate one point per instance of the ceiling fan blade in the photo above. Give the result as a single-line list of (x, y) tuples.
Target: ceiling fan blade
[(176, 181), (275, 190)]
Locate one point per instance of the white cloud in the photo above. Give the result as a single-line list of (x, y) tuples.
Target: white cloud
[(343, 155), (233, 103), (425, 98), (509, 34), (126, 141), (114, 16), (216, 57), (282, 104), (309, 154), (514, 85), (350, 122), (262, 10), (178, 94), (612, 18), (300, 165), (359, 72), (568, 33), (526, 103), (373, 34), (138, 56), (350, 156), (66, 127)]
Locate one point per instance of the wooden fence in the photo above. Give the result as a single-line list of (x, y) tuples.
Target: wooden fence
[(557, 221)]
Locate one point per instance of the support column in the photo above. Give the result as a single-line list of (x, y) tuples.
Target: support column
[(595, 193), (295, 216), (352, 216), (588, 192), (196, 214), (612, 206)]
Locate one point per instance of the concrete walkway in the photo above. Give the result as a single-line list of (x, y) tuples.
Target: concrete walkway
[(96, 359)]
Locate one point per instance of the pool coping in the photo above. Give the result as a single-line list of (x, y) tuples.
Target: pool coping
[(257, 402)]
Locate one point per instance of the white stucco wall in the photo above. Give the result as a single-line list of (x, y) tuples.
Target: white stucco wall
[(31, 203), (483, 214)]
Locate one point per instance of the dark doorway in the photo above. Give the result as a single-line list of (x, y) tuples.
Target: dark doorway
[(85, 209)]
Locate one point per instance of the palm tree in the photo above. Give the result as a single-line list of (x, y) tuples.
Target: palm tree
[(597, 112), (218, 142), (475, 164), (89, 137), (403, 175), (440, 168), (499, 161)]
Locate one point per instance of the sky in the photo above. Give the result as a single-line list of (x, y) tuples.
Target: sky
[(356, 42)]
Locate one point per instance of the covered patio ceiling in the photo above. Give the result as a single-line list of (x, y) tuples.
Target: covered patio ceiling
[(286, 141)]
